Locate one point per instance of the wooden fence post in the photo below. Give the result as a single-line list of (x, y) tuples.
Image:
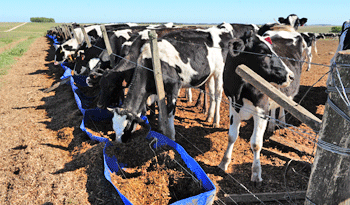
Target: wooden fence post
[(158, 77), (76, 36), (63, 32), (68, 30), (86, 37), (108, 45), (329, 181)]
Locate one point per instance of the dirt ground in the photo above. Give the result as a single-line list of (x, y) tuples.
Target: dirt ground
[(47, 159)]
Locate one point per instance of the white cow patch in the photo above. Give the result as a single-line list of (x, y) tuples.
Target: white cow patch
[(284, 34), (144, 34), (132, 24), (93, 62), (169, 54), (119, 124), (123, 33), (292, 20)]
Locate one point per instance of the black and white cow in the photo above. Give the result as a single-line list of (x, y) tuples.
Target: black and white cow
[(246, 101), (70, 47), (189, 58), (120, 40), (95, 59), (344, 40), (291, 20), (310, 40)]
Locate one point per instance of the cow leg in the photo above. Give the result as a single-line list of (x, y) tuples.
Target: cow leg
[(256, 143), (189, 95), (272, 121), (211, 85), (309, 57), (218, 96), (171, 105), (282, 115), (235, 123)]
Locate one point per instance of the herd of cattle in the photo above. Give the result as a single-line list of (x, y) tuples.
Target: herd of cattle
[(192, 57)]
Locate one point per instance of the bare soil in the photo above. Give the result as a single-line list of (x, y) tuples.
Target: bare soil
[(47, 159)]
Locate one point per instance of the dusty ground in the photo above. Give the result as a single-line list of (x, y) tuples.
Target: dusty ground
[(47, 159)]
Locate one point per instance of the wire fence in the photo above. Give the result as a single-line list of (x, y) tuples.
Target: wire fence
[(311, 136), (302, 132)]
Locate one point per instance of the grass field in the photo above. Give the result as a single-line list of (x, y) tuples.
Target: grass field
[(315, 29), (32, 30), (16, 42)]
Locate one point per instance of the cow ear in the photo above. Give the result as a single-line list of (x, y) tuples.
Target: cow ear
[(235, 47), (111, 109), (281, 19), (303, 21)]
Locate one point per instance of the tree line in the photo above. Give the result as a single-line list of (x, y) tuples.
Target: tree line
[(42, 20)]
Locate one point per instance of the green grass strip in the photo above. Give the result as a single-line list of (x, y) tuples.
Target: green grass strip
[(8, 57)]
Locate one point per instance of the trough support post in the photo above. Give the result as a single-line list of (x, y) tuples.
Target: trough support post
[(87, 40), (329, 181), (158, 77), (108, 45)]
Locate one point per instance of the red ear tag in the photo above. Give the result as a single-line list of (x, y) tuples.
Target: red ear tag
[(268, 39)]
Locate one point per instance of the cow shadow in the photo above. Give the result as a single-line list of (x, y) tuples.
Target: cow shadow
[(237, 179), (312, 99)]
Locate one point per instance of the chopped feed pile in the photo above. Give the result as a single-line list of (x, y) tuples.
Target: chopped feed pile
[(152, 176)]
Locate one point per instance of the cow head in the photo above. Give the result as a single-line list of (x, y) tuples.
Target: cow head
[(123, 123), (293, 20), (259, 55), (112, 90)]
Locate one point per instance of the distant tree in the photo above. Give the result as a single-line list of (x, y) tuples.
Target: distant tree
[(42, 20), (336, 29)]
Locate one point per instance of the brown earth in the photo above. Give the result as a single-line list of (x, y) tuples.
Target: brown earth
[(47, 159)]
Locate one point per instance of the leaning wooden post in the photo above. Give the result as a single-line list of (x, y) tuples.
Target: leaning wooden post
[(86, 37), (329, 181), (108, 45), (158, 77), (267, 88)]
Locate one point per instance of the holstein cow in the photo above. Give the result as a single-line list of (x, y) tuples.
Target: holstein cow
[(289, 32), (344, 40), (344, 43), (246, 101), (69, 47), (188, 59), (96, 59), (121, 41), (291, 20), (310, 40)]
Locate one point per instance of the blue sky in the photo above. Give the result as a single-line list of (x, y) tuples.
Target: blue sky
[(180, 11)]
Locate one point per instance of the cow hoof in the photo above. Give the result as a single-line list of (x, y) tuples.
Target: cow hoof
[(223, 166), (216, 125), (256, 178), (209, 119)]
